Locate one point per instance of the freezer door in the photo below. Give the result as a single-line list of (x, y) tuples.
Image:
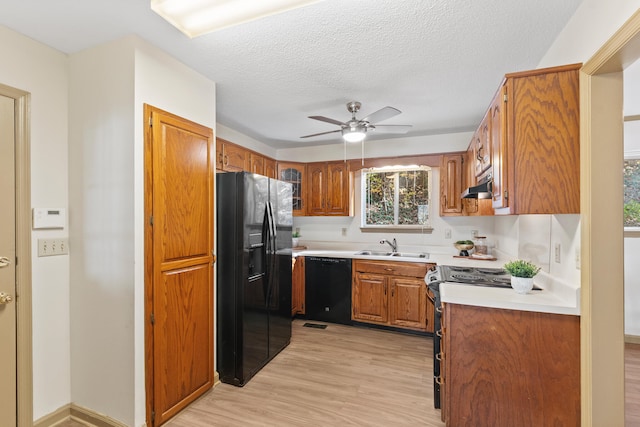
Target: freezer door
[(280, 288)]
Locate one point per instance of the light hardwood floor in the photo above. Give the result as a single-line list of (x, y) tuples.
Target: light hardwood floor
[(346, 376), (632, 385)]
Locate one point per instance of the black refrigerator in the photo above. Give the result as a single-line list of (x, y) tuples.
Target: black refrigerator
[(254, 223)]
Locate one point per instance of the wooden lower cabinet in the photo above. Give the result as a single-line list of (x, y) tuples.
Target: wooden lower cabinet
[(505, 368), (297, 286), (391, 294)]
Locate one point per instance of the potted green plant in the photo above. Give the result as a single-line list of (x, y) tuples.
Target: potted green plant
[(295, 236), (522, 274)]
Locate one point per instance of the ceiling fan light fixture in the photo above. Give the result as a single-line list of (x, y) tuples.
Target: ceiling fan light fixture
[(354, 133), (198, 17)]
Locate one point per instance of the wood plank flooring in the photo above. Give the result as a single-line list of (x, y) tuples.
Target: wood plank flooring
[(632, 385), (346, 376)]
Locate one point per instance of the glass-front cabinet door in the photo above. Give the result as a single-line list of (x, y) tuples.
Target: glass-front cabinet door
[(294, 173)]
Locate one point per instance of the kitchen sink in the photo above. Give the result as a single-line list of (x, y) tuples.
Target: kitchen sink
[(374, 253), (410, 254), (394, 254)]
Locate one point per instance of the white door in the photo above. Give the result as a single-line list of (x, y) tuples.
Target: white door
[(7, 264)]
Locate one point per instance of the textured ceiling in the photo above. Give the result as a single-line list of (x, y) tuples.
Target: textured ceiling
[(437, 61)]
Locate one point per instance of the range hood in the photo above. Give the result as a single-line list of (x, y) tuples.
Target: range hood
[(480, 191)]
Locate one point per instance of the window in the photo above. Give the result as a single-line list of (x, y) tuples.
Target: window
[(632, 193), (396, 197)]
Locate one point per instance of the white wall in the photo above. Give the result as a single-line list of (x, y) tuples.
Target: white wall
[(109, 85), (590, 27), (244, 140), (379, 148), (42, 71), (162, 82)]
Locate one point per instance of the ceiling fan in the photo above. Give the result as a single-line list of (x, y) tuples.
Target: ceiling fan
[(355, 129)]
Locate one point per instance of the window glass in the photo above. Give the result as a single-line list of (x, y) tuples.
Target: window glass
[(632, 193), (396, 197)]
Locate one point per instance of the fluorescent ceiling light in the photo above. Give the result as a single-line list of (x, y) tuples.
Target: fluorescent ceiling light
[(198, 17)]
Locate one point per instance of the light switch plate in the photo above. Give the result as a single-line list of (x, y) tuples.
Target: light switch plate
[(51, 247)]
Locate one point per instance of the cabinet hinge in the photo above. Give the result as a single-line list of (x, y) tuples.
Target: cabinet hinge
[(153, 418), (153, 319), (506, 194), (151, 220), (505, 97), (150, 121)]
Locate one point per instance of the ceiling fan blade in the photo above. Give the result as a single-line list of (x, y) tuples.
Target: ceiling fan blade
[(321, 133), (392, 128), (382, 114), (328, 120)]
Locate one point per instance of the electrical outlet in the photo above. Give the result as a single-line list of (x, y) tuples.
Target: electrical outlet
[(474, 233), (344, 231), (557, 253), (447, 233), (50, 247)]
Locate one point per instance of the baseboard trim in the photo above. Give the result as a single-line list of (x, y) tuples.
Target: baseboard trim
[(632, 339), (77, 413), (54, 418)]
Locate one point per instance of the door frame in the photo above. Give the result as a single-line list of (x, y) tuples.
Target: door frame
[(601, 235), (24, 339)]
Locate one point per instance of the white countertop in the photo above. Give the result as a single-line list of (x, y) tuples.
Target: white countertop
[(555, 297), (544, 301)]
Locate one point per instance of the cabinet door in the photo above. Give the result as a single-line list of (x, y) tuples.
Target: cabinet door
[(270, 168), (369, 298), (451, 185), (408, 303), (338, 189), (297, 286), (257, 163), (295, 174), (499, 149), (316, 189), (234, 158), (545, 131)]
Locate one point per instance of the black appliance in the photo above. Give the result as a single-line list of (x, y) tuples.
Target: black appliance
[(328, 289), (254, 223), (473, 276)]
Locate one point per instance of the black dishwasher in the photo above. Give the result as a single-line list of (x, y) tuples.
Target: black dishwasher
[(328, 289)]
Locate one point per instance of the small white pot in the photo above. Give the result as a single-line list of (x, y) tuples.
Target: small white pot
[(295, 242), (522, 285)]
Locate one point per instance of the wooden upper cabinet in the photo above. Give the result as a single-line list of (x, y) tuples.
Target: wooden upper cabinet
[(270, 169), (499, 149), (328, 189), (451, 185), (543, 142), (296, 175), (231, 157), (482, 147), (257, 163)]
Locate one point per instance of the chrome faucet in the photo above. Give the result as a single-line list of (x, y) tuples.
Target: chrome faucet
[(394, 244)]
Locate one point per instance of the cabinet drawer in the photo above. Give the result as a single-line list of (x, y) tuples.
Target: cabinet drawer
[(395, 268)]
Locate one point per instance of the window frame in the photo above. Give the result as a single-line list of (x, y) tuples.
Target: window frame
[(632, 231), (426, 228)]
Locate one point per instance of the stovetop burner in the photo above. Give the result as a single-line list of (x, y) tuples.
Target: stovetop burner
[(476, 276)]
